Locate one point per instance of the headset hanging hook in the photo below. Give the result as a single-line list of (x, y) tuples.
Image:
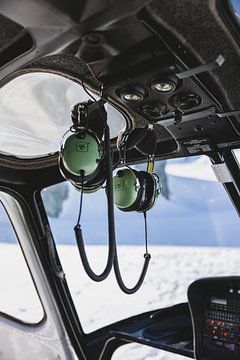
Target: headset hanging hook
[(150, 165)]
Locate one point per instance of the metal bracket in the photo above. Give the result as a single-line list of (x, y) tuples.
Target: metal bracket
[(230, 113), (198, 115), (222, 173), (202, 68)]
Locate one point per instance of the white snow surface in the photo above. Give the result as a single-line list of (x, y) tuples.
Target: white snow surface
[(171, 271)]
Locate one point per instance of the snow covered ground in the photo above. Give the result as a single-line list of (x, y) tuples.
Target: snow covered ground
[(172, 270)]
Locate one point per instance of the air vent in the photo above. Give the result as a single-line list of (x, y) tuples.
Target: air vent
[(154, 110), (185, 101)]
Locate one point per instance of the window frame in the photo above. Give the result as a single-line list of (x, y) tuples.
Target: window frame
[(28, 268)]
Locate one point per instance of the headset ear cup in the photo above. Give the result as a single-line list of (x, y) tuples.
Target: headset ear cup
[(152, 191), (147, 191), (92, 182), (80, 152), (126, 186), (131, 186)]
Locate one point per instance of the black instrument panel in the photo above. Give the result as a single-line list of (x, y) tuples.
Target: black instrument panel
[(215, 309)]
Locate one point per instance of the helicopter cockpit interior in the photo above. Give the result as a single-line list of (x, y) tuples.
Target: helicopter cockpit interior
[(111, 104)]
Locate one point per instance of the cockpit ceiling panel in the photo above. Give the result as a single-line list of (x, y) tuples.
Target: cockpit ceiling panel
[(202, 29)]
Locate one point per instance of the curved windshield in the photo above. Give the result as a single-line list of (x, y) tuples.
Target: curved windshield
[(16, 281), (193, 232), (235, 6)]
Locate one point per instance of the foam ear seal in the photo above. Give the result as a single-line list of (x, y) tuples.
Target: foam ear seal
[(149, 192), (98, 181), (92, 186), (152, 191)]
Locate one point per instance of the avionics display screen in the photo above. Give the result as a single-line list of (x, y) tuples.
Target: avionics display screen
[(215, 300)]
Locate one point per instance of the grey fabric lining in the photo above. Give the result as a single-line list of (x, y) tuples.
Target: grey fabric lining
[(10, 32)]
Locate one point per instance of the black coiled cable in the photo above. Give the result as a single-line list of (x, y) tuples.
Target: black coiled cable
[(147, 258), (111, 230), (112, 252)]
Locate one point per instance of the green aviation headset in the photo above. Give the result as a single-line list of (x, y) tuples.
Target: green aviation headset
[(81, 153), (136, 190), (85, 160)]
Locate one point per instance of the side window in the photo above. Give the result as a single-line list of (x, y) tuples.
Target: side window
[(237, 154), (19, 298)]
